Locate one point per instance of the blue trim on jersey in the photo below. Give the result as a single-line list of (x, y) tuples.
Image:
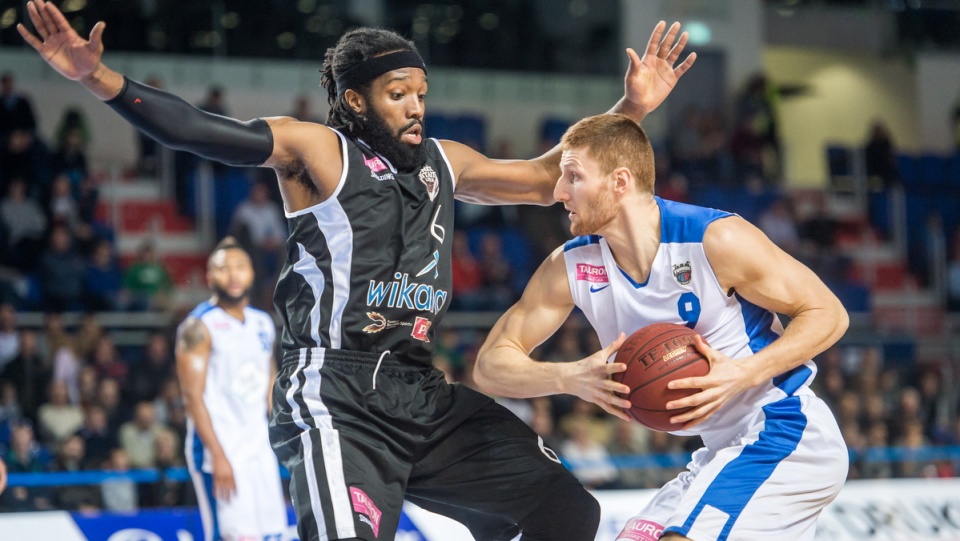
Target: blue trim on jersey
[(680, 222), (758, 323), (789, 382), (197, 451), (208, 484), (740, 479), (581, 241), (201, 309), (629, 279)]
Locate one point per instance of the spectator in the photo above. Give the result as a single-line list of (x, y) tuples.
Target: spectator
[(89, 384), (88, 335), (147, 281), (108, 398), (593, 465), (258, 223), (953, 275), (138, 437), (23, 155), (16, 111), (746, 148), (29, 373), (880, 156), (759, 102), (153, 370), (9, 337), (167, 492), (467, 276), (778, 223), (10, 412), (107, 360), (96, 435), (303, 110), (70, 159), (58, 418), (119, 493), (63, 206), (71, 457), (103, 279), (25, 456), (497, 273), (24, 223), (630, 439), (61, 272)]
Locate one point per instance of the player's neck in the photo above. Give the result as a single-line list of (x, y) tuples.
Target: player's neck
[(233, 309), (634, 237)]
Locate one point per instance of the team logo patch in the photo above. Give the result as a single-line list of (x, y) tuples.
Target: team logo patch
[(429, 179), (369, 513), (420, 327), (682, 272), (592, 274), (381, 323)]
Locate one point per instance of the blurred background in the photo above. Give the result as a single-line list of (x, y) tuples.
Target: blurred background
[(833, 125)]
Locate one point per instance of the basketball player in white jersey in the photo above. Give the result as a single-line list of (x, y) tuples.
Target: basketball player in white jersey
[(226, 370), (773, 455)]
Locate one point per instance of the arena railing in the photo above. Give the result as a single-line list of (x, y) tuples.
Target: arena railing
[(876, 455)]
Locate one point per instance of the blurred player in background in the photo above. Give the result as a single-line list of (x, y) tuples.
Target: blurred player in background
[(226, 369), (773, 456)]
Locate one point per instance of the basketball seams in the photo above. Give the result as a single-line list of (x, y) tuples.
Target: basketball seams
[(698, 358)]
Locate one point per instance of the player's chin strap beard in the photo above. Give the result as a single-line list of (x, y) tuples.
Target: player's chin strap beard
[(377, 368)]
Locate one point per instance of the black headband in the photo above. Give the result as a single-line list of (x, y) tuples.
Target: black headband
[(372, 68)]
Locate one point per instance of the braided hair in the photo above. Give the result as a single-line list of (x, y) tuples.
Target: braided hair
[(354, 47)]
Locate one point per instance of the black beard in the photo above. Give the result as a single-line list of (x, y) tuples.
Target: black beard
[(226, 298), (403, 156)]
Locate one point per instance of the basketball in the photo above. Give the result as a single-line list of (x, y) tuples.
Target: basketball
[(656, 355)]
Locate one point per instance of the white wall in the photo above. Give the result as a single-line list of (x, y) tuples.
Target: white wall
[(847, 92)]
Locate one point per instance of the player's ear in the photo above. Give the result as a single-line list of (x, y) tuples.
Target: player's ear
[(354, 100), (622, 179)]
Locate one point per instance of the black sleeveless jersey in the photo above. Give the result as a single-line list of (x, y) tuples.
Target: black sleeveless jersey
[(369, 268)]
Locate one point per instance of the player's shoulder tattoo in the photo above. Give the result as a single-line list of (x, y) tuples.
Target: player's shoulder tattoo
[(192, 333)]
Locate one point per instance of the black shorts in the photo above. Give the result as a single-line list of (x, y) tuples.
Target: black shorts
[(355, 452)]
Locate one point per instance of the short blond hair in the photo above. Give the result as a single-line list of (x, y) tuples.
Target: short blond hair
[(614, 141)]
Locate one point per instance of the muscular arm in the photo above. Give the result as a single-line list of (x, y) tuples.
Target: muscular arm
[(193, 355), (504, 366), (748, 263)]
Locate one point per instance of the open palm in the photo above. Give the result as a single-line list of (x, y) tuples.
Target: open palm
[(59, 44), (651, 79)]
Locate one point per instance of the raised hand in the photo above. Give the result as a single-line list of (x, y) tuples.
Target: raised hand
[(590, 380), (650, 79), (59, 44)]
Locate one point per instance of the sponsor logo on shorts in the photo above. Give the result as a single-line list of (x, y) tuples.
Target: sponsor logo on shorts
[(592, 274), (683, 272), (638, 529), (368, 510), (420, 328)]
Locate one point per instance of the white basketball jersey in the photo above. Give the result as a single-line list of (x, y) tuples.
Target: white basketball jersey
[(683, 289), (238, 377)]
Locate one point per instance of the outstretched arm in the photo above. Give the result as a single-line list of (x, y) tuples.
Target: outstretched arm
[(649, 80), (747, 263), (277, 143), (504, 366)]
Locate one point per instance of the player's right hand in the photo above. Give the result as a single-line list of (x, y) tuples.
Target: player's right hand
[(224, 485), (59, 44), (589, 379)]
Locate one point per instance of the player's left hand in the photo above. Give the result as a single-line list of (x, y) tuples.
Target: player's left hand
[(727, 378), (650, 79)]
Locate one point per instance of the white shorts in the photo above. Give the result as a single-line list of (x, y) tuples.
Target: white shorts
[(256, 512), (771, 483)]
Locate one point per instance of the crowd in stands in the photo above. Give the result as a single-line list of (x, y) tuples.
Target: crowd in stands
[(71, 399)]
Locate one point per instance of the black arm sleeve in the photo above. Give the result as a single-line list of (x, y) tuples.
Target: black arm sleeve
[(181, 126)]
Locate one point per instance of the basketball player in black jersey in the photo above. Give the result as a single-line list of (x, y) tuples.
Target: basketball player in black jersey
[(361, 418)]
